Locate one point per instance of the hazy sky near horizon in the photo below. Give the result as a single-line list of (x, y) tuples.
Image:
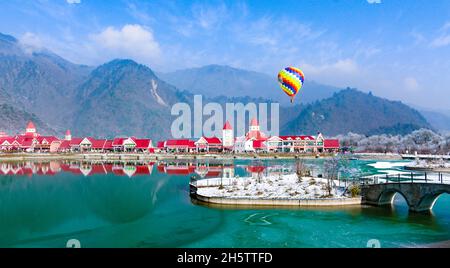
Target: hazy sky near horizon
[(396, 49)]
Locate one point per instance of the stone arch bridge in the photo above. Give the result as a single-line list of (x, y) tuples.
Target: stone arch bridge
[(420, 194)]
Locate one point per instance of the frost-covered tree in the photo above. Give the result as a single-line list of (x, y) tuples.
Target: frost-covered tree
[(420, 141)]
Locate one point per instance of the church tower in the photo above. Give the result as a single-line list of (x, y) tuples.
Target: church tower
[(227, 136), (31, 130), (68, 136), (254, 125)]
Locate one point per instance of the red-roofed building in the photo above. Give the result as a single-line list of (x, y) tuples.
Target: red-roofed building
[(118, 144), (64, 146), (182, 145), (331, 145), (31, 130), (160, 146), (98, 145), (44, 142), (227, 137), (108, 146), (245, 143), (302, 143), (75, 144), (205, 144), (144, 145), (259, 145)]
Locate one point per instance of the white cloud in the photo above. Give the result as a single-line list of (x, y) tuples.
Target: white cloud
[(441, 41), (444, 38), (131, 41), (374, 1), (209, 17), (343, 66), (411, 84), (73, 2), (30, 42)]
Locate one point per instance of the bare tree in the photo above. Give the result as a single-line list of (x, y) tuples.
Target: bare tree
[(332, 168)]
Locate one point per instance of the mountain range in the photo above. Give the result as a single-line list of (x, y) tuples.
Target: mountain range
[(125, 98), (351, 110), (220, 80)]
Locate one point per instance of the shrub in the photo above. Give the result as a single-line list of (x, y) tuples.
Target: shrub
[(354, 190)]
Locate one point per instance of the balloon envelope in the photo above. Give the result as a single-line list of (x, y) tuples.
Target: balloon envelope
[(291, 80)]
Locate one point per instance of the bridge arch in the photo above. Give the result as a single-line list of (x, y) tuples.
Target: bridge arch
[(428, 200), (386, 197)]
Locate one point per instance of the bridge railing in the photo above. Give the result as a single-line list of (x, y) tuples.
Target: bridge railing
[(407, 177)]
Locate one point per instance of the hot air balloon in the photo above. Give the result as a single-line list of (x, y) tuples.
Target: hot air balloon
[(291, 81)]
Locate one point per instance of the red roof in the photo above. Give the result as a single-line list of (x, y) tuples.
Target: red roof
[(49, 139), (97, 144), (143, 143), (213, 140), (331, 144), (254, 123), (254, 134), (26, 142), (7, 139), (118, 141), (75, 141), (160, 144), (255, 169), (227, 126), (108, 145), (30, 125), (258, 144), (180, 143), (68, 132), (64, 145)]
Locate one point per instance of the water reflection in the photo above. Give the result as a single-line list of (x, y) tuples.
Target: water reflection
[(147, 204), (202, 169), (117, 204)]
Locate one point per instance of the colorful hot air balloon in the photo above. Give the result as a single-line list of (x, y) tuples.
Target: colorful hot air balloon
[(291, 81)]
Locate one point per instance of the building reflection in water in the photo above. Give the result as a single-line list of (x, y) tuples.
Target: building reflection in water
[(202, 169)]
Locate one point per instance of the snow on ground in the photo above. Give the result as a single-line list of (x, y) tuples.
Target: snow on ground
[(283, 186), (388, 165), (430, 164)]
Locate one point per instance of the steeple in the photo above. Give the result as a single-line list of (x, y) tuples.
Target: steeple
[(68, 136), (227, 136), (254, 125), (31, 130)]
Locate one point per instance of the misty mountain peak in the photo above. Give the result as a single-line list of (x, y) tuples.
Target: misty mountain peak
[(7, 38), (123, 65)]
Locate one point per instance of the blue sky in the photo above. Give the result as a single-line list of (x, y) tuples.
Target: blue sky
[(395, 48)]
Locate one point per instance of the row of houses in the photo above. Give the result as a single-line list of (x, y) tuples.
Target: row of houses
[(253, 141), (32, 141)]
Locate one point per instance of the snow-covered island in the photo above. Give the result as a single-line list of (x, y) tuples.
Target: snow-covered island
[(288, 189)]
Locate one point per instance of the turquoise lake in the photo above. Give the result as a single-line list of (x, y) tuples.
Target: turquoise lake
[(148, 205)]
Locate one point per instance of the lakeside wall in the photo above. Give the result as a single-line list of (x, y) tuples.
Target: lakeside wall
[(329, 202)]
